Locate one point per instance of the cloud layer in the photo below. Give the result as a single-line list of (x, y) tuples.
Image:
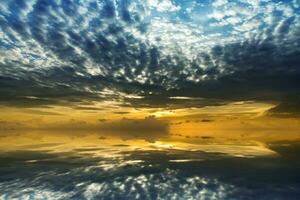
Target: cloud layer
[(144, 52)]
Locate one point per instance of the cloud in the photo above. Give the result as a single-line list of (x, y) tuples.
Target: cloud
[(207, 120), (8, 125), (149, 128), (289, 108), (70, 52)]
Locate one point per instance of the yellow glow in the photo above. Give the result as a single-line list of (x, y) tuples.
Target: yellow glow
[(226, 124)]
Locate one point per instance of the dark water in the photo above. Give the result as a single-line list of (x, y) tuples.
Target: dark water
[(37, 171)]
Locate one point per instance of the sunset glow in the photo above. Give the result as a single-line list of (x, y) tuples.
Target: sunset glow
[(150, 99)]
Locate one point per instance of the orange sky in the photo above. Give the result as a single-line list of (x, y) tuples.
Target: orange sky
[(235, 120)]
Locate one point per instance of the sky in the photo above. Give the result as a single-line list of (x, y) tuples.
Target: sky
[(149, 99), (80, 60)]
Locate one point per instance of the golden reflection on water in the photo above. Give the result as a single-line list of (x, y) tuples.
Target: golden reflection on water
[(89, 143), (237, 129), (100, 163)]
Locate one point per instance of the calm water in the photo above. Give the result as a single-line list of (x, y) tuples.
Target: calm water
[(39, 165)]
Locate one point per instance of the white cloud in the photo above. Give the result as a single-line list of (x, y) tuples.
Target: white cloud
[(296, 3), (219, 3), (163, 5), (286, 10)]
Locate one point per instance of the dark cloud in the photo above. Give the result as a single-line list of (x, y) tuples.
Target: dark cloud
[(286, 109), (8, 125), (40, 112), (91, 108), (149, 128), (207, 120), (207, 137), (73, 52), (102, 120), (37, 146), (121, 112)]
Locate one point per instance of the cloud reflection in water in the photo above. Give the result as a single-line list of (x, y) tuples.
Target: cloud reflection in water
[(118, 169)]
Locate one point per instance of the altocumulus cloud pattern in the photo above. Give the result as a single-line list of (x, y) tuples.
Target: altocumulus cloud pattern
[(64, 50)]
